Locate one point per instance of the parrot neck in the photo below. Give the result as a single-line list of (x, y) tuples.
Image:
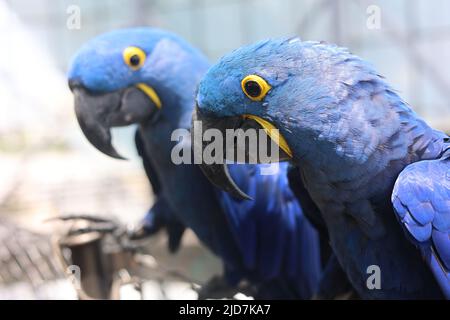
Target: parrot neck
[(175, 83), (356, 158), (177, 92)]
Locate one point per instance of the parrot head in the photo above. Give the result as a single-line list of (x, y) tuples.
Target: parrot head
[(132, 76), (324, 102)]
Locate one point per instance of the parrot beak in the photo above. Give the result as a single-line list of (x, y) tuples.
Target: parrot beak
[(217, 173), (98, 113)]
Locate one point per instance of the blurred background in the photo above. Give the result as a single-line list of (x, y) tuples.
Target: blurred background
[(47, 168)]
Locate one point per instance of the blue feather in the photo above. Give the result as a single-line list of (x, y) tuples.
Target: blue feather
[(267, 241), (352, 137), (423, 192)]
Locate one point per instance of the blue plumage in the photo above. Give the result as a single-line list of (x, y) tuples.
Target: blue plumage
[(267, 241), (272, 237), (421, 199), (352, 138)]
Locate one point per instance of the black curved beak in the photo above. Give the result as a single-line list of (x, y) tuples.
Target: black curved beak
[(217, 173), (242, 150), (90, 111), (98, 113)]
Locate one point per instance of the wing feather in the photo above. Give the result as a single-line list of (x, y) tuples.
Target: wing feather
[(421, 200)]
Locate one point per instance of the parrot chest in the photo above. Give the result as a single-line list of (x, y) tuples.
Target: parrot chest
[(364, 235), (189, 194)]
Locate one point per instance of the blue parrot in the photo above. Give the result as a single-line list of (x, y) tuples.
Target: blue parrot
[(377, 174), (149, 76)]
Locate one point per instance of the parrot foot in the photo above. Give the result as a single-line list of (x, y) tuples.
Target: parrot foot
[(218, 288), (140, 231), (145, 230)]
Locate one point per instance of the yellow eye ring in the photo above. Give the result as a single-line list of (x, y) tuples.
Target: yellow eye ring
[(255, 87), (134, 57)]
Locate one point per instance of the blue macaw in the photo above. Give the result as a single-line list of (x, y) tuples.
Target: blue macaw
[(377, 173), (149, 77)]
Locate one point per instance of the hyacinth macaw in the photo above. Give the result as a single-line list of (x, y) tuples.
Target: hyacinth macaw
[(149, 77), (377, 173)]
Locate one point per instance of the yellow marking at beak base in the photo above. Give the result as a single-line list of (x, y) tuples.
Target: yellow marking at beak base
[(151, 93), (272, 132)]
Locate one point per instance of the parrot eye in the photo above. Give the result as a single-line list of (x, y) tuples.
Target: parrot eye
[(135, 60), (255, 87), (134, 57)]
